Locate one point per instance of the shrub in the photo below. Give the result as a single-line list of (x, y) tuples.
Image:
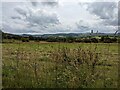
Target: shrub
[(25, 39), (94, 40)]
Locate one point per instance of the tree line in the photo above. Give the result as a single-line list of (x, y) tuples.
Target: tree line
[(70, 39)]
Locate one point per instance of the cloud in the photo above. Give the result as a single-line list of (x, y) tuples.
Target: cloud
[(119, 14), (48, 3), (45, 17), (51, 4), (21, 11), (106, 14), (34, 2), (107, 11), (39, 17), (24, 18), (16, 17), (82, 26), (42, 17)]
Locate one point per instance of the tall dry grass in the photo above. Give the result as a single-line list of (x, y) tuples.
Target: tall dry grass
[(76, 66), (60, 67)]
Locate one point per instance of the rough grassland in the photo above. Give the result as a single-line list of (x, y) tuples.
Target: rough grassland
[(59, 65)]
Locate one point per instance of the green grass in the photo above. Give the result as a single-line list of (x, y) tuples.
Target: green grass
[(56, 65)]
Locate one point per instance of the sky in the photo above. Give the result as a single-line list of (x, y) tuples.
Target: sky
[(58, 16)]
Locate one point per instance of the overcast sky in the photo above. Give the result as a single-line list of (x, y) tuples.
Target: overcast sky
[(35, 17)]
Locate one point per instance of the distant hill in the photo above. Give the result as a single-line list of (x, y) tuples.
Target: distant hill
[(59, 35), (75, 34), (9, 35)]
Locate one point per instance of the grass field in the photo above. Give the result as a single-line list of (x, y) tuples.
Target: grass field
[(59, 65)]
